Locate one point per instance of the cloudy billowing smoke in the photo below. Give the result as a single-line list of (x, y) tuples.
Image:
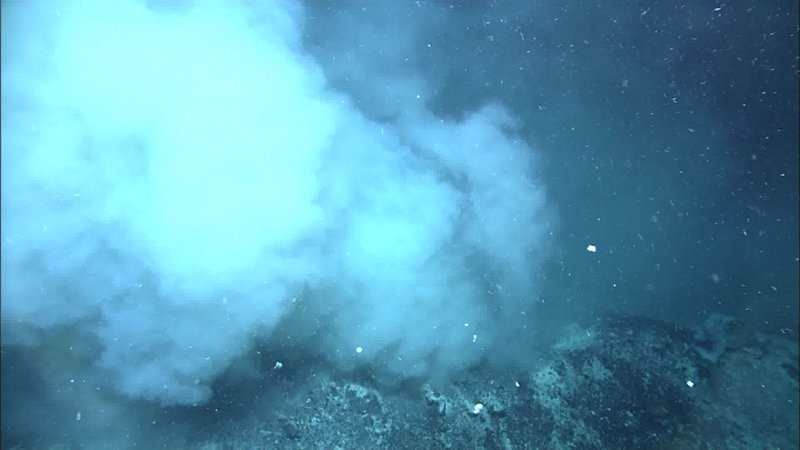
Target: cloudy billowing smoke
[(177, 181)]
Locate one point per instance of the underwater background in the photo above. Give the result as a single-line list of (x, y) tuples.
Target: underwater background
[(399, 224)]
